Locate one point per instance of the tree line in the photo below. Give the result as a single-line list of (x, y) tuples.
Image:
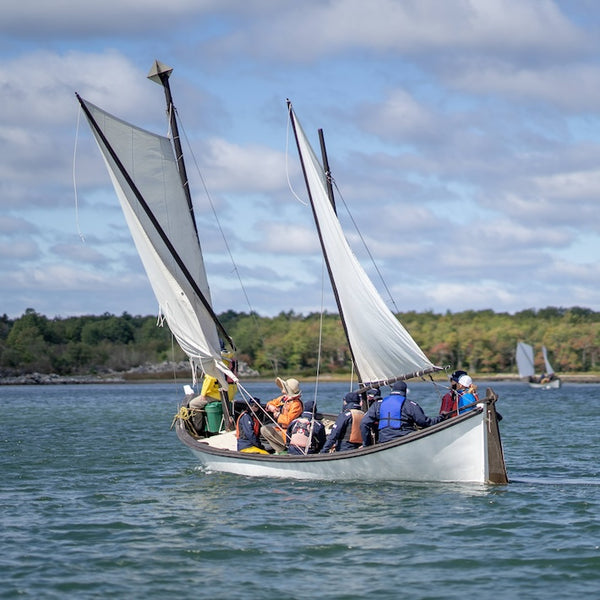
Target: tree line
[(478, 341)]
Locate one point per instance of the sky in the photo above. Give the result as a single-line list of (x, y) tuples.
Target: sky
[(463, 137)]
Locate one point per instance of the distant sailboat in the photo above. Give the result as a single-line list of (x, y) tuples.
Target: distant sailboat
[(149, 178), (525, 364)]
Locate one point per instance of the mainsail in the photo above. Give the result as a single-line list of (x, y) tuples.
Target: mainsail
[(525, 360), (382, 349), (143, 170)]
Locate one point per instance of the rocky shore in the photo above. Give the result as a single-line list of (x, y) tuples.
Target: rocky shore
[(167, 370), (148, 372)]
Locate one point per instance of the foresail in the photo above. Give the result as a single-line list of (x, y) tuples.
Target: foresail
[(549, 369), (382, 348), (151, 172), (525, 360)]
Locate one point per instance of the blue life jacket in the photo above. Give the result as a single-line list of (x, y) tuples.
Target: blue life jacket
[(390, 411)]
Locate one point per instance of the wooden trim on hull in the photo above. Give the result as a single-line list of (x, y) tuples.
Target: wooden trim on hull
[(496, 465)]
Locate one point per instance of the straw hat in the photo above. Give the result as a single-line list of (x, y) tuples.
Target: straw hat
[(290, 387)]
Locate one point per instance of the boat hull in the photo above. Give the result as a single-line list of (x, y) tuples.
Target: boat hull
[(457, 450), (554, 384)]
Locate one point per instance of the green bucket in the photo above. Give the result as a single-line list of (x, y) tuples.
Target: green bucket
[(214, 416)]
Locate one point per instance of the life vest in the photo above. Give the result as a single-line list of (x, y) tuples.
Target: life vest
[(352, 433), (255, 425), (301, 432), (449, 402), (390, 411)]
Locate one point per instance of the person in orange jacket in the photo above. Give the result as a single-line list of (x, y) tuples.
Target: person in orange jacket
[(283, 410)]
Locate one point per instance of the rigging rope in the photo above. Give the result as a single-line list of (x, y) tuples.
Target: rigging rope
[(364, 243), (74, 177), (287, 170), (253, 313)]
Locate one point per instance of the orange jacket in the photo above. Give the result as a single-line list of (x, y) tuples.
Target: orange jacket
[(289, 409)]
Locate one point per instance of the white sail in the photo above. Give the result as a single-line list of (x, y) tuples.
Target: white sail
[(382, 348), (150, 164), (549, 369), (525, 360)]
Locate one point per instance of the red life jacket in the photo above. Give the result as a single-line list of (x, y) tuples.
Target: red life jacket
[(449, 402)]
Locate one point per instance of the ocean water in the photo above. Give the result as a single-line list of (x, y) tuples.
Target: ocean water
[(100, 500)]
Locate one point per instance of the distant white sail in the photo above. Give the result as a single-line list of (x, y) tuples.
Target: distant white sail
[(381, 346), (549, 369), (525, 360), (150, 163)]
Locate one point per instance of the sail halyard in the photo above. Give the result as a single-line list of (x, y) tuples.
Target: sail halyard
[(384, 350), (143, 169)]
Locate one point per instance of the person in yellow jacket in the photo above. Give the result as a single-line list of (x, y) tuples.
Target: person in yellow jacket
[(210, 391), (283, 410)]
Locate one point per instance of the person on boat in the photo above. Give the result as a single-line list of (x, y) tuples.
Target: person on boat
[(247, 429), (450, 399), (282, 411), (211, 388), (373, 395), (394, 416), (467, 394), (306, 433), (345, 433)]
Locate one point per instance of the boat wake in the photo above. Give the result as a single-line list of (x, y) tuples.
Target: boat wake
[(557, 481)]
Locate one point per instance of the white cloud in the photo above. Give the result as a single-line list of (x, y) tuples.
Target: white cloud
[(463, 134)]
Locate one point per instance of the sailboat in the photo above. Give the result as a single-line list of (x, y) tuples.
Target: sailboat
[(525, 364), (149, 177)]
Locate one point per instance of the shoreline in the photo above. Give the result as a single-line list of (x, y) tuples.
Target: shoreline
[(113, 378)]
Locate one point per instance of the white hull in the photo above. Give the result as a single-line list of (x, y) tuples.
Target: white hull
[(457, 450), (551, 385)]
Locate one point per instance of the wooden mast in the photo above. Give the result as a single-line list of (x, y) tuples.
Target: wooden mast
[(160, 73)]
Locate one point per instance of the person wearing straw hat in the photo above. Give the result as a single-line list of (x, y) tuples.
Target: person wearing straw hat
[(282, 411)]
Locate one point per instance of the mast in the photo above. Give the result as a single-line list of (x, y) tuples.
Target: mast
[(161, 232), (327, 170), (160, 73), (330, 194)]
